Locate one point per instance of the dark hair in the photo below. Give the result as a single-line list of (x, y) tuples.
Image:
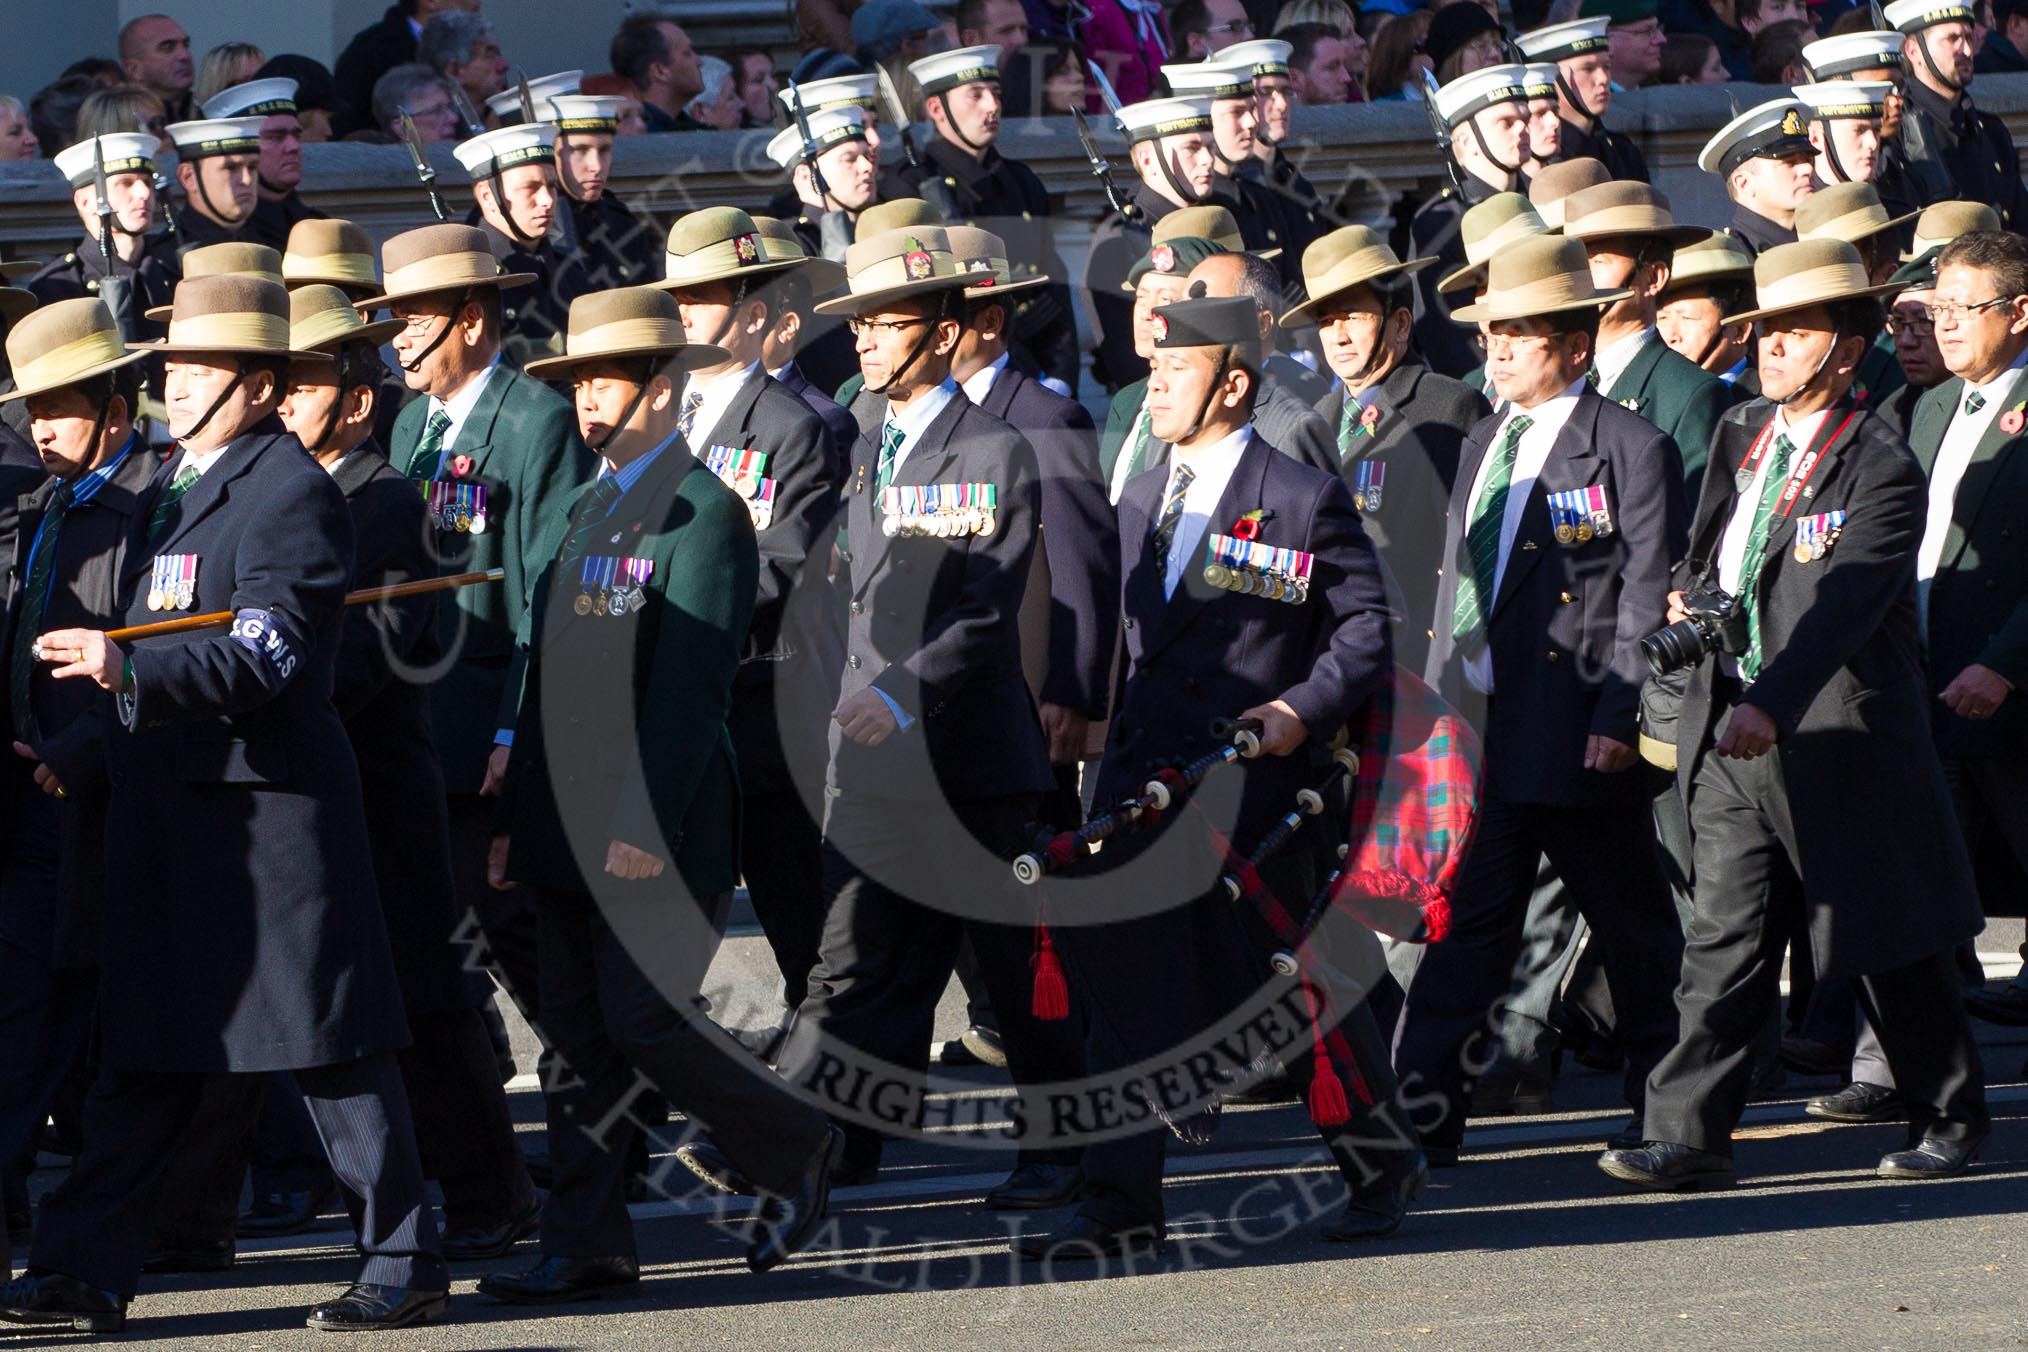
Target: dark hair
[(1192, 17), (2002, 253), (359, 364), (1744, 10), (1393, 293), (790, 294), (315, 89), (277, 368), (52, 113), (1683, 57), (1777, 47), (1860, 317), (1304, 37), (488, 300), (1395, 46), (101, 389), (1259, 280), (1584, 321), (104, 69), (639, 44), (736, 58)]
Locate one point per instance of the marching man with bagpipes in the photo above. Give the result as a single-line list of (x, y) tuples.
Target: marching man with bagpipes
[(1249, 586)]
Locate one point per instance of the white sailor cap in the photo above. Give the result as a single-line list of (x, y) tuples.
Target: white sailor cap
[(124, 152), (1481, 89), (1843, 98), (1772, 130), (507, 106), (1561, 41), (494, 152), (1152, 119), (1912, 16), (1214, 79), (255, 98), (828, 127), (1539, 79), (858, 91), (947, 70), (1829, 58), (1267, 56), (211, 136), (585, 112)]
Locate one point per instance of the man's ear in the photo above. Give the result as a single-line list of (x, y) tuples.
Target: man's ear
[(1398, 326), (948, 333), (359, 402), (661, 391)]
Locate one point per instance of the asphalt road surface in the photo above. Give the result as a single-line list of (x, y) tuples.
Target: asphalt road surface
[(1525, 1244)]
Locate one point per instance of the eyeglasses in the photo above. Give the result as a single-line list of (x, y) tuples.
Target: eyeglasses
[(1916, 324), (1500, 344), (882, 327), (1952, 312), (1236, 26)]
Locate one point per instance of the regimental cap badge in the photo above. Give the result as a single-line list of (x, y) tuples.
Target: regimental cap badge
[(1163, 258), (1792, 124), (746, 248), (916, 264), (1160, 324)]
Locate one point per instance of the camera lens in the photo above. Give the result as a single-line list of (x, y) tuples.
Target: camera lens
[(1674, 647)]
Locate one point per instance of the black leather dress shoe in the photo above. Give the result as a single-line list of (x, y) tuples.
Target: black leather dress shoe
[(1858, 1102), (367, 1306), (282, 1213), (1377, 1214), (50, 1300), (1667, 1167), (1037, 1187), (555, 1280), (985, 1045), (197, 1255), (1087, 1240), (2007, 1006), (490, 1241), (1931, 1158), (709, 1163), (783, 1225)]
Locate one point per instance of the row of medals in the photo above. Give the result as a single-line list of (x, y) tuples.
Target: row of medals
[(1583, 532), (1248, 582), (172, 598), (618, 601), (942, 525), (462, 520)]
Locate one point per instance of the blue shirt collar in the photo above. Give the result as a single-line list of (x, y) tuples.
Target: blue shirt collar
[(630, 474)]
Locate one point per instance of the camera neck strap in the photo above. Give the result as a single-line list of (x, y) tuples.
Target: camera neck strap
[(1800, 472)]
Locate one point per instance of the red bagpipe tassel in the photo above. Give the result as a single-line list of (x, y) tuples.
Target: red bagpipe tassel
[(1328, 1107), (1051, 999)]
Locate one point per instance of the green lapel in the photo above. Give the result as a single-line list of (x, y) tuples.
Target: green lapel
[(1633, 382), (1985, 467), (484, 427), (1931, 419)]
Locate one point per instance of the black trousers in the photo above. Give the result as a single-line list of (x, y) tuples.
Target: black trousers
[(781, 852), (1749, 892), (96, 1226), (610, 1005), (889, 951), (506, 916), (1605, 855)]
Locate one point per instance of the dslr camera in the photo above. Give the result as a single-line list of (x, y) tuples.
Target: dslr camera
[(1714, 622)]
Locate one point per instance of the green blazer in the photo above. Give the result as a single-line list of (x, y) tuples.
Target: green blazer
[(1680, 398), (1120, 415), (522, 446), (1978, 601), (621, 733)]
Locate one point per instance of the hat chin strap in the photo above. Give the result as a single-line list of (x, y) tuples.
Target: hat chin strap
[(1197, 424), (238, 378), (1824, 361), (204, 194), (731, 314), (457, 308), (627, 414), (1183, 191), (921, 346), (951, 126), (1922, 45), (513, 232), (1597, 120), (1512, 171)]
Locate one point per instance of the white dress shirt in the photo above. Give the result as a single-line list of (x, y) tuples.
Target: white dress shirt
[(1122, 467), (717, 392), (1612, 362), (1213, 466), (914, 418), (1953, 458), (979, 384), (459, 406), (1546, 422), (1732, 545), (187, 457)]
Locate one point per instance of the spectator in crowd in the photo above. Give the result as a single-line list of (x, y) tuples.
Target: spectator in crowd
[(1636, 39), (825, 23), (1778, 54), (1692, 58), (655, 54), (1463, 38), (123, 108), (1317, 72), (631, 121), (155, 52), (464, 49), (1128, 40), (316, 93), (224, 66), (17, 138), (753, 74), (895, 31), (1003, 23), (2005, 49), (1717, 20), (1201, 27), (1399, 61), (1757, 16), (52, 113), (105, 70), (427, 98), (1332, 13), (1064, 85), (719, 106), (378, 49)]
